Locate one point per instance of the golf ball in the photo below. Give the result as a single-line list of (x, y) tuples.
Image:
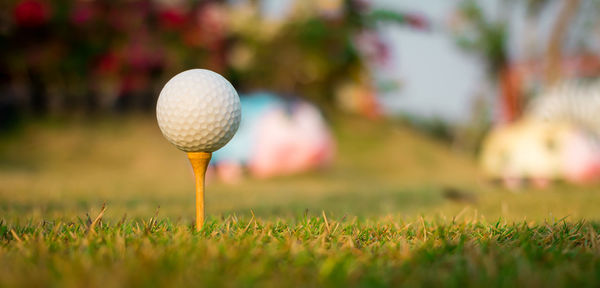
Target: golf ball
[(198, 111)]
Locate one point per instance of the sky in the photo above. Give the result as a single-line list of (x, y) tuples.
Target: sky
[(438, 79)]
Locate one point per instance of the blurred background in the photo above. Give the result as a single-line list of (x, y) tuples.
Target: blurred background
[(355, 107)]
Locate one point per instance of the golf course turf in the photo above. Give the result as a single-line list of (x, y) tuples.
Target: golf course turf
[(311, 251), (395, 208)]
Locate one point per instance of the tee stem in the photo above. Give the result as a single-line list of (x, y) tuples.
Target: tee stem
[(199, 162)]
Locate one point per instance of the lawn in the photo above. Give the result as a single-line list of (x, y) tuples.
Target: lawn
[(396, 208)]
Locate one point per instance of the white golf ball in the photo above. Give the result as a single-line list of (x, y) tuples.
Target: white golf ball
[(198, 111)]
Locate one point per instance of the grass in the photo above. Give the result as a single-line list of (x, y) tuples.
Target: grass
[(311, 251), (396, 208)]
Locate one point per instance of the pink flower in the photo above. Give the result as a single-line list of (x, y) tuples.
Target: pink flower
[(82, 13), (107, 63), (31, 13), (417, 21), (142, 55), (172, 18), (371, 45)]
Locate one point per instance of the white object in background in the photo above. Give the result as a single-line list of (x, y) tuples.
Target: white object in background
[(540, 151)]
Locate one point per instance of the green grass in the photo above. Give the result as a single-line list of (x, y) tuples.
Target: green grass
[(401, 209), (311, 251)]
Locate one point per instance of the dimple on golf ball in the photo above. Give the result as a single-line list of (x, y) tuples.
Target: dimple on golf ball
[(198, 111)]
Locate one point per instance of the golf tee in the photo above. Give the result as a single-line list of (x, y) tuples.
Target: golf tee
[(199, 162)]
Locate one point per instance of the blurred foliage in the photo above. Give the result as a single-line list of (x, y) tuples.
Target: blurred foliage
[(486, 34), (483, 35), (64, 56)]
